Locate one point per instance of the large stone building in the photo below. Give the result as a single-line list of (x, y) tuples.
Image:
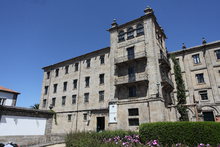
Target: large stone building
[(118, 87), (200, 66)]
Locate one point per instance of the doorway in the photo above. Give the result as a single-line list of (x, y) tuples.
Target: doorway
[(208, 116), (100, 124)]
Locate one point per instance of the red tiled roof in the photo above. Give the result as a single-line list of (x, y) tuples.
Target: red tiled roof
[(8, 90)]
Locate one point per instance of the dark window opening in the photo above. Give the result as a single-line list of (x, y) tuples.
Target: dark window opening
[(101, 79), (63, 100), (57, 72), (44, 103), (133, 121), (86, 97), (101, 96), (140, 30), (46, 89), (196, 59), (55, 88), (204, 95), (53, 101), (64, 86), (66, 69), (130, 52), (87, 81), (200, 78), (208, 116), (102, 59), (69, 117), (85, 116), (217, 53), (133, 112), (48, 75), (88, 63), (73, 99), (75, 84), (130, 33), (121, 36), (76, 66)]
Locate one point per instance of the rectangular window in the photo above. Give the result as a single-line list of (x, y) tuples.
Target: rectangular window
[(196, 59), (46, 89), (86, 97), (133, 121), (75, 84), (130, 52), (101, 96), (102, 59), (66, 69), (55, 88), (101, 78), (44, 103), (57, 72), (73, 99), (2, 101), (69, 117), (63, 100), (64, 86), (87, 81), (85, 116), (48, 75), (88, 63), (200, 78), (132, 91), (53, 101), (131, 74), (76, 66), (204, 95), (133, 112), (217, 53)]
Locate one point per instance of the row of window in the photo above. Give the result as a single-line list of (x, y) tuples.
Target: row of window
[(63, 102), (76, 66), (196, 58), (87, 83), (130, 33)]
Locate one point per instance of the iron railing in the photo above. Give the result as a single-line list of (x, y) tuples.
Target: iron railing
[(131, 78), (130, 57)]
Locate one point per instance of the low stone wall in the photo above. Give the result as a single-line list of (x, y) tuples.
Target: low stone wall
[(27, 141)]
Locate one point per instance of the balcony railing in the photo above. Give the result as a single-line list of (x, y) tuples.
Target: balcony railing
[(165, 79), (130, 57), (131, 78), (163, 59)]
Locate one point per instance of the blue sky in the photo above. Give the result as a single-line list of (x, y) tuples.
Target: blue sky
[(37, 33)]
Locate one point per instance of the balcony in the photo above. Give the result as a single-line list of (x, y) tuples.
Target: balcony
[(130, 57), (131, 78), (164, 60), (167, 82)]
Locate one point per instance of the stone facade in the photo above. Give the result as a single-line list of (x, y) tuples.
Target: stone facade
[(200, 66), (128, 83)]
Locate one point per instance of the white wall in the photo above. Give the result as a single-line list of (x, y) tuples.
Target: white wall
[(22, 125), (8, 96)]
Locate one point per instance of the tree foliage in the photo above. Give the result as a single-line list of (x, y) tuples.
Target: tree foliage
[(181, 95), (35, 106)]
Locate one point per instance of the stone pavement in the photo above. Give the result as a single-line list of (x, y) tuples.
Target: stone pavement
[(57, 145)]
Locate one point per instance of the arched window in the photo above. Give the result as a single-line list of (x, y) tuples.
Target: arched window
[(140, 29), (121, 36), (130, 33)]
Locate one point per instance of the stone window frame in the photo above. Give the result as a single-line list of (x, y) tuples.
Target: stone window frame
[(204, 95), (200, 78), (86, 97), (63, 100), (46, 89), (139, 29), (101, 79), (87, 81), (85, 116), (69, 117), (48, 75), (65, 86), (66, 69), (121, 36), (217, 54), (55, 88), (196, 59), (76, 66), (53, 102), (75, 81), (102, 59), (133, 112), (74, 99), (88, 63), (133, 121), (101, 95), (44, 103), (57, 72), (130, 33)]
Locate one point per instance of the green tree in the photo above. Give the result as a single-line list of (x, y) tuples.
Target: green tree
[(35, 106), (181, 95)]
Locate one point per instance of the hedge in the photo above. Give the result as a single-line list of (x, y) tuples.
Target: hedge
[(90, 139), (189, 133)]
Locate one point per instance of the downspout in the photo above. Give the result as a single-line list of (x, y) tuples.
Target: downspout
[(77, 101)]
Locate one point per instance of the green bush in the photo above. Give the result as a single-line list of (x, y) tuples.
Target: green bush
[(189, 133), (86, 139)]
